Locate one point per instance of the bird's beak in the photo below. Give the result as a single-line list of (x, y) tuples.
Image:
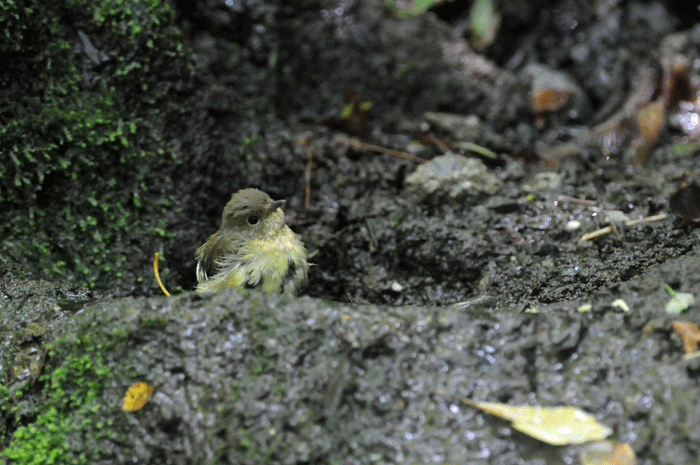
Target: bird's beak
[(276, 204)]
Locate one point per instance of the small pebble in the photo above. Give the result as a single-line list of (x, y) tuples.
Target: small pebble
[(396, 287), (573, 225)]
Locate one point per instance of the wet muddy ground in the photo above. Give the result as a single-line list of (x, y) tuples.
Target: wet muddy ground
[(501, 235), (509, 228), (447, 258)]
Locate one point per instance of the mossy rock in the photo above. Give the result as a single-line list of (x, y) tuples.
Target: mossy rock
[(91, 87)]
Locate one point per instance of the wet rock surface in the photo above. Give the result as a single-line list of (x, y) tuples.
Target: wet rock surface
[(251, 378), (414, 301)]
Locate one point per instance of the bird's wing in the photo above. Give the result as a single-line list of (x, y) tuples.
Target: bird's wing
[(210, 255)]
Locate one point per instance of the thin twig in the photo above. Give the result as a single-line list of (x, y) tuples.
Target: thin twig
[(599, 232), (566, 198), (612, 228), (648, 219), (307, 191), (24, 299), (376, 148)]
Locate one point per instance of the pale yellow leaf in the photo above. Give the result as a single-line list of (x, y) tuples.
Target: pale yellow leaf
[(607, 453), (554, 425)]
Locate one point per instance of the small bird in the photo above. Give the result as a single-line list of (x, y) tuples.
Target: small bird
[(254, 247)]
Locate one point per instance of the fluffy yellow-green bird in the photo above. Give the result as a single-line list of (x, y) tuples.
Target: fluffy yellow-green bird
[(253, 248)]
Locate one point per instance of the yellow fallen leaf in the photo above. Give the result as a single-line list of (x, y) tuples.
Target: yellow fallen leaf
[(607, 453), (136, 396), (554, 425)]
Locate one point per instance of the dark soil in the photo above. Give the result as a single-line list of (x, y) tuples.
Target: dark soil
[(373, 239), (449, 268)]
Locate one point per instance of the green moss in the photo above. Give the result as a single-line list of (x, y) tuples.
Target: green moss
[(157, 323), (85, 134), (69, 391), (5, 399)]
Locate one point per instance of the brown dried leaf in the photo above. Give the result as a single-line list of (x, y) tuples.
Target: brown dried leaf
[(650, 120), (549, 100), (689, 334)]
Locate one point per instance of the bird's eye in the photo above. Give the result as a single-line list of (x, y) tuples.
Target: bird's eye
[(253, 219)]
